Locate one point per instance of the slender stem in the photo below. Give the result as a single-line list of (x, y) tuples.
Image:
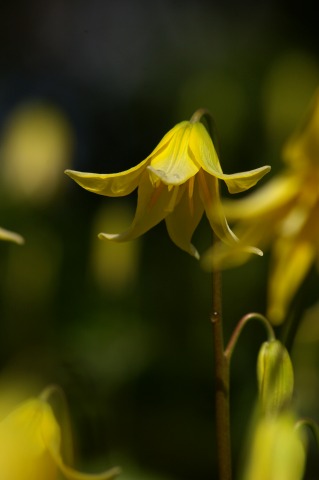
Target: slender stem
[(242, 322), (221, 385)]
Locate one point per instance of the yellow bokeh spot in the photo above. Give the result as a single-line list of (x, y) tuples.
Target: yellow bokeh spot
[(36, 145), (114, 265)]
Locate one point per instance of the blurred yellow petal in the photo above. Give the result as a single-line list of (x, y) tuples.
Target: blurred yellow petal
[(37, 144), (182, 222), (114, 268), (11, 236), (71, 474), (290, 263), (277, 450), (278, 192), (111, 185), (30, 444), (303, 145)]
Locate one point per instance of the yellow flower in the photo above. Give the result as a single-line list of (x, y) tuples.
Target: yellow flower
[(30, 444), (282, 214), (177, 182), (277, 451)]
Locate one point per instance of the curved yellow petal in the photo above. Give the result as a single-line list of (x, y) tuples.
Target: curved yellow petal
[(172, 163), (291, 261), (209, 192), (216, 216), (153, 205), (165, 140), (182, 222), (11, 236), (239, 182), (110, 185), (204, 153), (221, 256)]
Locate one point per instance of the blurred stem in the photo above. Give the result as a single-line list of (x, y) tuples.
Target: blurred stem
[(242, 322), (221, 365)]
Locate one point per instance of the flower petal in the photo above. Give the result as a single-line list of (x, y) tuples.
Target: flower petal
[(209, 192), (111, 185), (182, 222), (215, 214), (153, 205), (239, 182), (11, 236), (172, 164), (204, 153), (290, 263)]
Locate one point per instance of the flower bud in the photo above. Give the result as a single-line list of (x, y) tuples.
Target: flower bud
[(275, 376)]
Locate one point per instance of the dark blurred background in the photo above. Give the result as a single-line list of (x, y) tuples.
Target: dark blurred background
[(124, 329)]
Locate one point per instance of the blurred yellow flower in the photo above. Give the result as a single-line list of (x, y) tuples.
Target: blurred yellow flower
[(282, 214), (30, 445), (277, 450), (36, 145), (177, 182)]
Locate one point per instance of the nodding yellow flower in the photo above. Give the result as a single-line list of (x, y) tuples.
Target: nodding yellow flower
[(30, 446), (283, 214), (177, 182)]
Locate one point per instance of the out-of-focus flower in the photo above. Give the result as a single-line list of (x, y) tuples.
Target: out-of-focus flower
[(177, 182), (277, 450), (36, 145), (11, 236), (282, 214), (30, 445), (275, 377)]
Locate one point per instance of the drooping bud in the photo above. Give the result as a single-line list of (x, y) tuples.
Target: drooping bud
[(275, 376)]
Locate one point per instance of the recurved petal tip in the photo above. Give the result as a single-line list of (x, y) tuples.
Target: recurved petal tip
[(108, 236), (222, 256), (239, 182)]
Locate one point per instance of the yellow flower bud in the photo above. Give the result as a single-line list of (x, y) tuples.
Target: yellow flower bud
[(275, 376)]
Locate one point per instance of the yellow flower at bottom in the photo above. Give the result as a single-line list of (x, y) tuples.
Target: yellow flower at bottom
[(277, 451), (30, 442), (177, 182)]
